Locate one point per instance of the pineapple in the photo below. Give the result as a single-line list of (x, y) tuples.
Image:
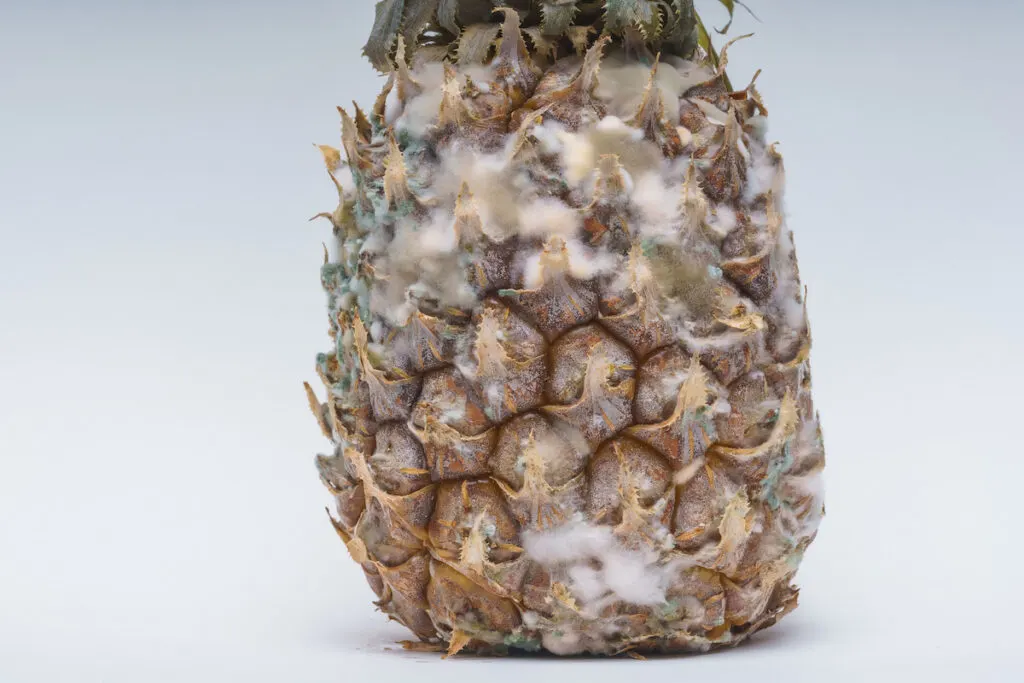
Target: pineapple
[(568, 390)]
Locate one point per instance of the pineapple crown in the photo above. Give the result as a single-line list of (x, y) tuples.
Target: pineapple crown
[(468, 30)]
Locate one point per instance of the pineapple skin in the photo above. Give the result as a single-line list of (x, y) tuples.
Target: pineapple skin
[(569, 389)]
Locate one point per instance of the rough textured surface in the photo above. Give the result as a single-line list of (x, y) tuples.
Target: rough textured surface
[(569, 391), (464, 29)]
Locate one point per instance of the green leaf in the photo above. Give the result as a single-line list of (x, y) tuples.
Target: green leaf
[(621, 14), (681, 33), (385, 30), (448, 15), (418, 15), (650, 19), (731, 6), (704, 40), (557, 16)]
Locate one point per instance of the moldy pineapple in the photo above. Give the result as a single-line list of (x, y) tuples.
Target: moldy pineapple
[(568, 388)]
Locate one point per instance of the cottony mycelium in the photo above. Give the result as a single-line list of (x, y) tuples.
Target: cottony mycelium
[(568, 388)]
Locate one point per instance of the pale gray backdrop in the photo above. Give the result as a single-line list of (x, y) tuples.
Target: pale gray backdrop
[(160, 516)]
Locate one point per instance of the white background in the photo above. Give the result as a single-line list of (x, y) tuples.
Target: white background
[(160, 516)]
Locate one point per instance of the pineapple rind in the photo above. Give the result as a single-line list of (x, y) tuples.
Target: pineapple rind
[(625, 282)]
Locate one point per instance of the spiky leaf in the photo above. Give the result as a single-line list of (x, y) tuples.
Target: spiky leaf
[(417, 16), (476, 42), (426, 54), (448, 15), (385, 29), (542, 44), (730, 5), (621, 15), (704, 40), (579, 36), (650, 20), (618, 14), (681, 31), (644, 27), (557, 16)]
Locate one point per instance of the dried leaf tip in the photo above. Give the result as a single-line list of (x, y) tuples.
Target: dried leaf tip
[(723, 59), (407, 86), (467, 217), (561, 593), (354, 544), (491, 358), (534, 467), (554, 259), (332, 157), (468, 225), (363, 126), (694, 391), (458, 642), (642, 281), (692, 198), (473, 551), (586, 80), (612, 180), (650, 117), (652, 76), (579, 36), (396, 182), (350, 140), (317, 409), (513, 57), (634, 514), (544, 47), (522, 135), (755, 95), (380, 105), (453, 110)]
